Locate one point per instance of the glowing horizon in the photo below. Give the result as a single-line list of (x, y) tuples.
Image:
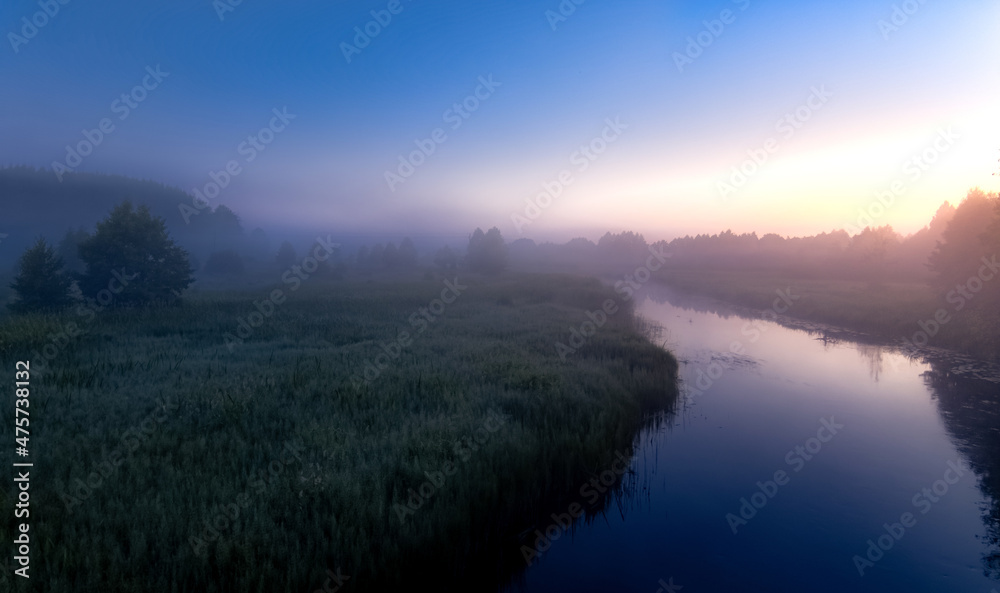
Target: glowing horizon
[(699, 90)]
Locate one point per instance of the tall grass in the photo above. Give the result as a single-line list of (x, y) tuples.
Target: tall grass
[(364, 446)]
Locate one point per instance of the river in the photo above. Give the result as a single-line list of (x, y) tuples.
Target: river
[(795, 463)]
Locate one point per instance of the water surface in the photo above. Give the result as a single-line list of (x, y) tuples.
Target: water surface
[(875, 429)]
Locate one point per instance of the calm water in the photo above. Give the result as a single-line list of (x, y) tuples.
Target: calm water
[(900, 428)]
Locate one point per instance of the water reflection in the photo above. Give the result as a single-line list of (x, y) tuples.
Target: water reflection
[(970, 410), (967, 393), (906, 416)]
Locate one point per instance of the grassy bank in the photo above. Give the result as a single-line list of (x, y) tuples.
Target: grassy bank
[(891, 311), (316, 469)]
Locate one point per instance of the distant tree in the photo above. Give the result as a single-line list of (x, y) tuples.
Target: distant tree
[(69, 249), (965, 241), (364, 254), (407, 253), (916, 248), (134, 244), (42, 284), (225, 231), (992, 235), (390, 257), (487, 251), (873, 244), (258, 245), (626, 244), (225, 220), (446, 258), (225, 263), (376, 258), (286, 255)]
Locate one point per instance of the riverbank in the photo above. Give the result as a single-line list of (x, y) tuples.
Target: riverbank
[(905, 314), (367, 434)]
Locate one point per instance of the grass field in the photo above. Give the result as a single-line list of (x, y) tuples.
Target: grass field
[(892, 311), (167, 461)]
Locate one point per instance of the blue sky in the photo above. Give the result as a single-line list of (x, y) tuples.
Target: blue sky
[(890, 92)]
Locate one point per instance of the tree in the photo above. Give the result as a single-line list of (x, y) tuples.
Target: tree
[(132, 243), (42, 284), (286, 255), (390, 257), (69, 249), (626, 244), (964, 243), (376, 257), (446, 258), (407, 253), (873, 247), (487, 251), (363, 256), (258, 245), (225, 229)]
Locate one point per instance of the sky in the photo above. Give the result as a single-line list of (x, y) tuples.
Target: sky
[(579, 117)]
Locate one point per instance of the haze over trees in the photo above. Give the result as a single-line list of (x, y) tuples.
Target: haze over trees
[(487, 252), (970, 238)]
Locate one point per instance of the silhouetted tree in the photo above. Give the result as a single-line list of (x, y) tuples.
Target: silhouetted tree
[(134, 244), (42, 284), (487, 251)]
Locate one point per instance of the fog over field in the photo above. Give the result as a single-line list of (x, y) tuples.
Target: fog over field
[(553, 295)]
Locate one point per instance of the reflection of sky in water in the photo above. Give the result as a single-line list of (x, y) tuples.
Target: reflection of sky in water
[(741, 430)]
